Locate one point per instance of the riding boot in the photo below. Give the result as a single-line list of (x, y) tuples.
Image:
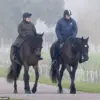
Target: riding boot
[(14, 55)]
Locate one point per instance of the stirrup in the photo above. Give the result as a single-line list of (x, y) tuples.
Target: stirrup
[(54, 61)]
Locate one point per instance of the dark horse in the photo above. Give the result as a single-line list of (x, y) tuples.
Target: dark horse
[(28, 52), (73, 51)]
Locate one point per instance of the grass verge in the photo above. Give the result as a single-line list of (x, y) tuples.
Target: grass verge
[(80, 86)]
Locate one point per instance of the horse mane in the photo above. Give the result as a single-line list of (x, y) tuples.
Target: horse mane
[(34, 41), (73, 40), (74, 44)]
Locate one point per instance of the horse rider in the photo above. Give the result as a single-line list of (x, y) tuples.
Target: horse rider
[(25, 28), (66, 27)]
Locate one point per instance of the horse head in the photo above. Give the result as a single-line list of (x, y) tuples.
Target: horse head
[(80, 46), (85, 49)]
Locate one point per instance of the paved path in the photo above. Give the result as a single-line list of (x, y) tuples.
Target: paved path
[(45, 92)]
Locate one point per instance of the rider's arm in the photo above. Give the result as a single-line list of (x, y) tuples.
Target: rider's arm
[(20, 30), (34, 29), (75, 28), (58, 30)]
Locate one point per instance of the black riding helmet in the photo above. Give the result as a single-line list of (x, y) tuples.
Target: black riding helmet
[(67, 12), (26, 15)]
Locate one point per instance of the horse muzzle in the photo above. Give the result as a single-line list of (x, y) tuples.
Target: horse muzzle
[(84, 58)]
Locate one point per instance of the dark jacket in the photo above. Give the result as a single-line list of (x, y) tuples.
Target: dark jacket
[(66, 28), (25, 29)]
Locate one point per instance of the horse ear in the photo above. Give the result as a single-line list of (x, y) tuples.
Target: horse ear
[(42, 34), (87, 38), (82, 38)]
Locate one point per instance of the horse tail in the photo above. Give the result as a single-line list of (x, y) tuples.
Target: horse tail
[(53, 70), (14, 72)]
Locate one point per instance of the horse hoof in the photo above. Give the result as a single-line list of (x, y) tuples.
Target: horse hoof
[(15, 91), (27, 92), (34, 90), (72, 89), (73, 92), (60, 91)]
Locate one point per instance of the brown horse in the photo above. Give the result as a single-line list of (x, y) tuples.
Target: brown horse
[(28, 52), (73, 51)]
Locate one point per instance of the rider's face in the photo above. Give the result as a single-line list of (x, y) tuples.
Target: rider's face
[(68, 17), (28, 19)]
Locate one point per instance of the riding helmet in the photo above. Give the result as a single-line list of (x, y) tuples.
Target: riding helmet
[(27, 15), (67, 12)]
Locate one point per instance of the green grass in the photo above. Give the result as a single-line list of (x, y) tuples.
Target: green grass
[(46, 55), (3, 72), (80, 86), (93, 63)]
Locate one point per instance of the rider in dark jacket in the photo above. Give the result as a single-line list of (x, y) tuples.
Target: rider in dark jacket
[(25, 28), (66, 27)]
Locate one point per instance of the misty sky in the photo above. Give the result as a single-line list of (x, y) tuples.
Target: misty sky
[(46, 14), (76, 7)]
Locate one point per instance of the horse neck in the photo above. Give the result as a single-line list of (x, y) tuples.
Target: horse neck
[(77, 43), (68, 43), (33, 41)]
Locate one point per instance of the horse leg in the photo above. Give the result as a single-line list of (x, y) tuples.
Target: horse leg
[(26, 79), (14, 68), (72, 76), (34, 89), (15, 86), (58, 75), (61, 75), (72, 87)]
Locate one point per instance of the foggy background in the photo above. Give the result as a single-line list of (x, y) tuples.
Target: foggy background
[(45, 14)]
